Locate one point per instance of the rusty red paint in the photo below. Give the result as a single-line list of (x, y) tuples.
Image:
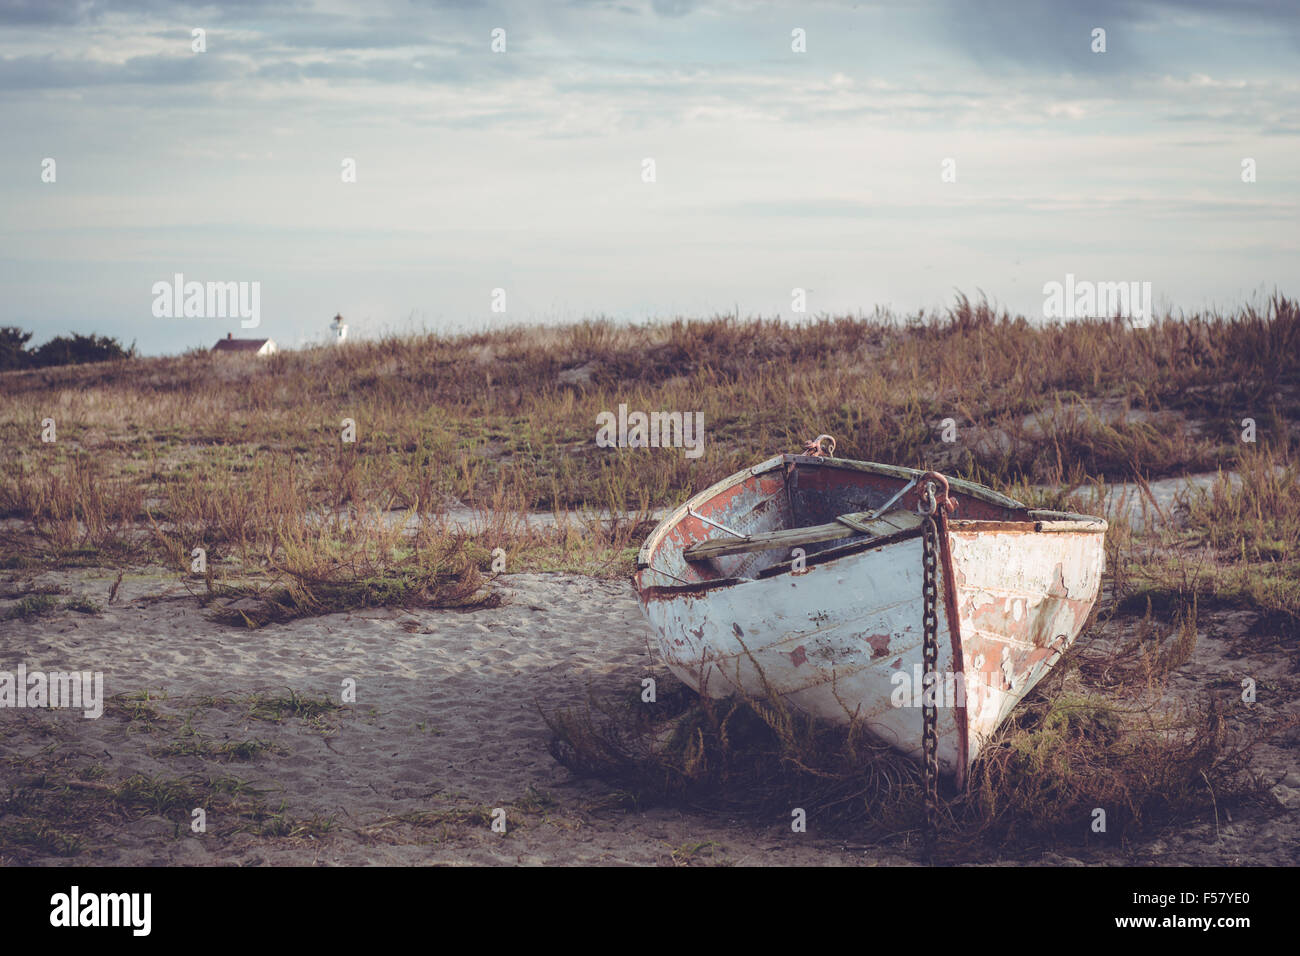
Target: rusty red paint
[(1057, 587), (879, 645), (994, 617), (1041, 654), (798, 656)]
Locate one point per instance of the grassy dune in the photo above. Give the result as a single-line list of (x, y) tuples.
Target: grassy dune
[(244, 458)]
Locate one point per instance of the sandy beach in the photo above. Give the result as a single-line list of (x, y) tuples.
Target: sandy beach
[(445, 722), (445, 729)]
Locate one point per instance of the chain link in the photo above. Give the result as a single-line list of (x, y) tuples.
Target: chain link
[(929, 683)]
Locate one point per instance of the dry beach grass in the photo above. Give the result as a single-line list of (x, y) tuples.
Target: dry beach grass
[(377, 561)]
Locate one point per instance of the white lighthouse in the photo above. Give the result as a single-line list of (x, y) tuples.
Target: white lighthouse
[(339, 328)]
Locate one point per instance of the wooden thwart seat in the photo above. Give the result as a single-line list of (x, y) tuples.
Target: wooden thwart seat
[(860, 522)]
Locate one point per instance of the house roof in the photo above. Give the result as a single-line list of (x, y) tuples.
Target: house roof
[(239, 345)]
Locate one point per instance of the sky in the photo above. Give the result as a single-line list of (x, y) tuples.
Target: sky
[(823, 169)]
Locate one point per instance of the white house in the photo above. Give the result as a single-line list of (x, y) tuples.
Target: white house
[(254, 346)]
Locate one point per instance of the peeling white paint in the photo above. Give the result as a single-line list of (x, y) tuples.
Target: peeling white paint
[(832, 641)]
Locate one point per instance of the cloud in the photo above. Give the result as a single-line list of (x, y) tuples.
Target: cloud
[(49, 71), (1056, 35), (486, 166), (66, 12), (673, 8)]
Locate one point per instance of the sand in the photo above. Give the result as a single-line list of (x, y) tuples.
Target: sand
[(444, 729), (445, 719)]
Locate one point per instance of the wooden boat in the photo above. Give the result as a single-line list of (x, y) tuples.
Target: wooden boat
[(802, 576)]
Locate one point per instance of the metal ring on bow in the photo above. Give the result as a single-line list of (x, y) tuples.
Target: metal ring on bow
[(927, 504), (813, 449)]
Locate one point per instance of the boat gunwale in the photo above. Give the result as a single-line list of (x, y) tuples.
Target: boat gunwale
[(1040, 526), (1061, 522), (1039, 518)]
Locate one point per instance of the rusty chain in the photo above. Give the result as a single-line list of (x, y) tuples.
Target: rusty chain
[(930, 657)]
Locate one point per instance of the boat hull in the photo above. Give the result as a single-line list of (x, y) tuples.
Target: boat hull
[(841, 637), (1023, 597)]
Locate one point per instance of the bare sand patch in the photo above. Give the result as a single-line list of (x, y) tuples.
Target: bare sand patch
[(445, 728)]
